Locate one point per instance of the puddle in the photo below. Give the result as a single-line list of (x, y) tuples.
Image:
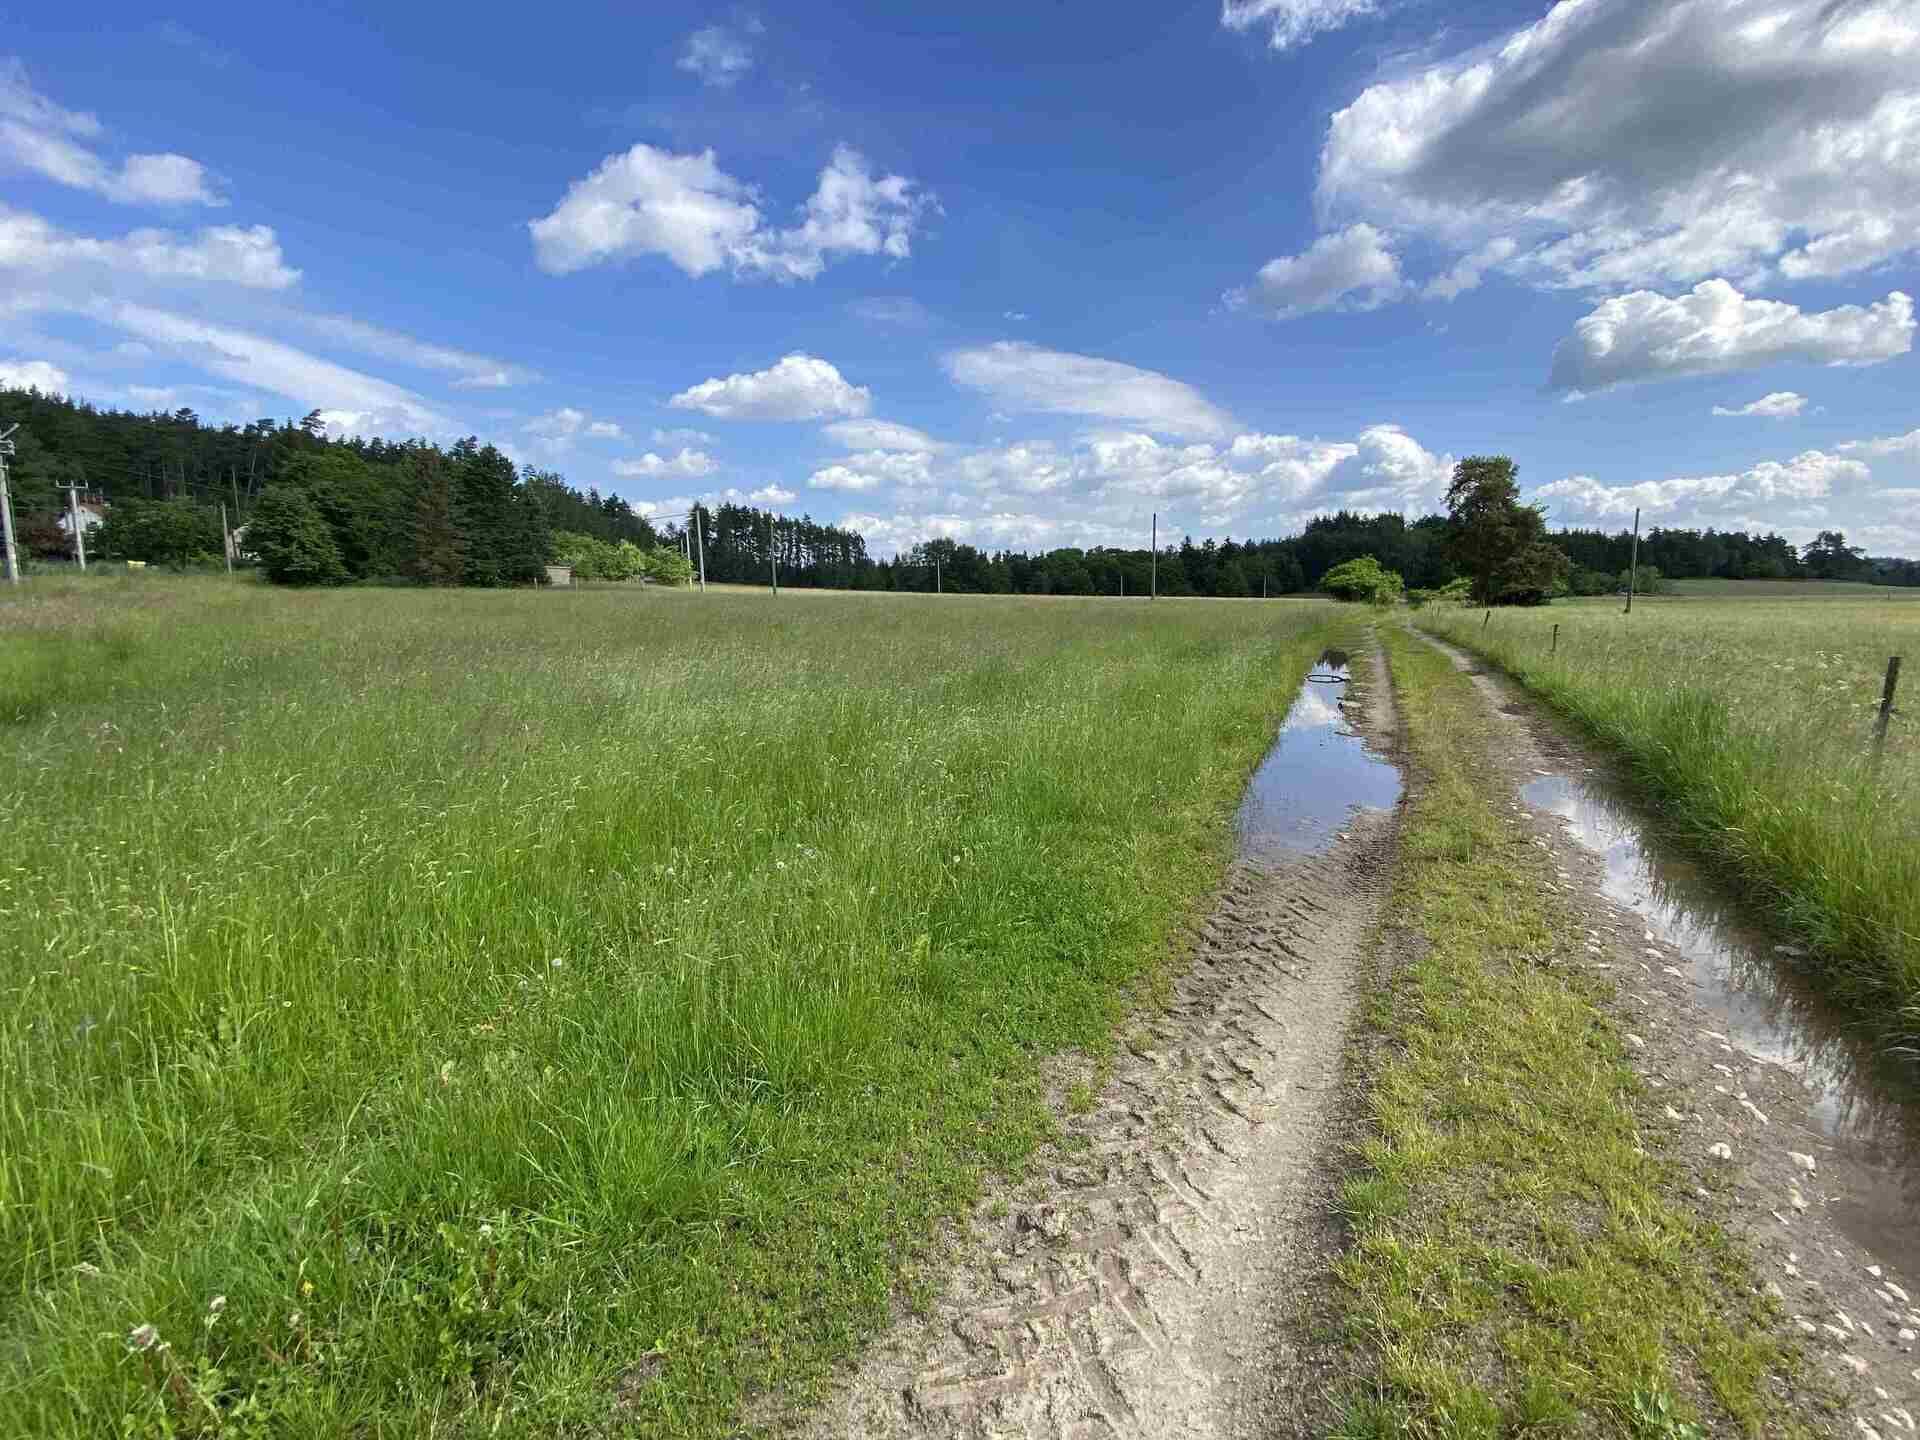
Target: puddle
[(1863, 1102), (1317, 774)]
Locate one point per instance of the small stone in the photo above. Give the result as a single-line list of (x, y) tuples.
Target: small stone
[(1805, 1162), (1753, 1110), (1773, 1289), (1793, 1271), (1796, 1199), (1845, 1319), (1793, 950), (1859, 1367), (1905, 1337), (1898, 1293), (1636, 1042), (1807, 1327), (1721, 1151), (1675, 1115), (1874, 1270), (1835, 1331), (1726, 1070), (1905, 1417)]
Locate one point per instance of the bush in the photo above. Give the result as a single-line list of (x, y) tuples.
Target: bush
[(1362, 579), (667, 566), (1459, 590), (160, 532)]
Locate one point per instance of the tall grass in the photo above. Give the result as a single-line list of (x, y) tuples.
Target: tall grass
[(1750, 722), (445, 1013)]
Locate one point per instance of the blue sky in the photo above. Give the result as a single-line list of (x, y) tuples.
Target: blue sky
[(1019, 274)]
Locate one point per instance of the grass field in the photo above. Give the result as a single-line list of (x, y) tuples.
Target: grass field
[(1789, 590), (1749, 723), (447, 1013)]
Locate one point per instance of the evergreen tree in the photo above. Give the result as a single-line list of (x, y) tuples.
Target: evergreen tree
[(294, 544)]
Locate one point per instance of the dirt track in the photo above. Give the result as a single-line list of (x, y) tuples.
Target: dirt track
[(1137, 1286), (1780, 1183)]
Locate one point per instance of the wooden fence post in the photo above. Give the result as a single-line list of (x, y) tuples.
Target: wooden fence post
[(1886, 706)]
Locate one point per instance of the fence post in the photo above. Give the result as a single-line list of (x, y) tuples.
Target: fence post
[(1488, 621), (1554, 649), (1886, 706)]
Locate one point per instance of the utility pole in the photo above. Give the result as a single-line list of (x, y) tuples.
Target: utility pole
[(226, 536), (1153, 592), (773, 559), (1633, 565), (6, 504), (700, 539), (73, 489), (936, 572)]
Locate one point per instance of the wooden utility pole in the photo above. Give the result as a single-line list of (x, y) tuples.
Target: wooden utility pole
[(226, 535), (1153, 593), (1633, 565), (700, 536), (936, 572), (6, 504), (773, 560)]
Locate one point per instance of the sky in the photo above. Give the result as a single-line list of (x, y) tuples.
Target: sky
[(1018, 274)]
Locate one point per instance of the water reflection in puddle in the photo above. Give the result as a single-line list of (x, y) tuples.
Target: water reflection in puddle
[(1317, 774), (1766, 1010)]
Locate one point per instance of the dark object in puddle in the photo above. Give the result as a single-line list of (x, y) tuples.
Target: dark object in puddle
[(1318, 773)]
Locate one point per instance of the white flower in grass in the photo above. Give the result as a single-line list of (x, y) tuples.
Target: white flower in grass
[(558, 963), (142, 1337), (216, 1305)]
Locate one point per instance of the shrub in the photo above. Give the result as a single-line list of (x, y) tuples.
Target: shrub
[(1362, 579)]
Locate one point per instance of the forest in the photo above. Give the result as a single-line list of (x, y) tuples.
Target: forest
[(316, 509)]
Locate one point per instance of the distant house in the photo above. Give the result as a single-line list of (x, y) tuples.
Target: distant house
[(92, 512), (560, 574)]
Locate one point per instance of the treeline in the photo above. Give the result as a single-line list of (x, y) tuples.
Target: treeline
[(313, 509), (371, 510)]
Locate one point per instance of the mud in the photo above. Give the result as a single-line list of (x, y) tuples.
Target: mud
[(1139, 1284), (1735, 1112)]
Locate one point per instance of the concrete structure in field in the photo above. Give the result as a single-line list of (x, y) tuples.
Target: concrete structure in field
[(560, 575)]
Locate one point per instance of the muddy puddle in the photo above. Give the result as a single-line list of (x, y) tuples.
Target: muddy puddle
[(1318, 773), (1866, 1103)]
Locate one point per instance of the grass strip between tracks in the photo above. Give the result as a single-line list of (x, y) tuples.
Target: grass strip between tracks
[(1517, 1262)]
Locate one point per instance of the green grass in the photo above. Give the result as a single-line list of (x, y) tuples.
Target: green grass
[(1789, 590), (1750, 723), (1518, 1263), (555, 1013)]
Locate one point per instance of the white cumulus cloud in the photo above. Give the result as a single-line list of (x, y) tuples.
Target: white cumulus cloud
[(41, 137), (797, 387), (1775, 405), (1023, 378), (247, 256), (647, 201), (1810, 476), (34, 375), (1639, 143), (688, 464), (1350, 269), (1714, 328)]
